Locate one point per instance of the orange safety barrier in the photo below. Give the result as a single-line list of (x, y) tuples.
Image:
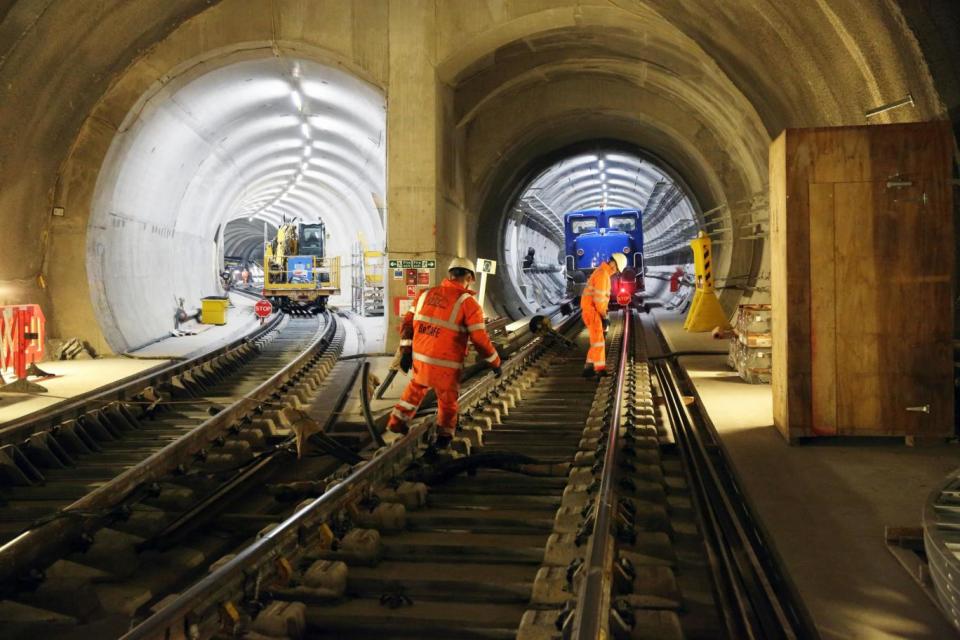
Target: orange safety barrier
[(22, 329)]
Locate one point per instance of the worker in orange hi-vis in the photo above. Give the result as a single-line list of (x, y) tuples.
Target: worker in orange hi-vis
[(433, 341), (593, 304)]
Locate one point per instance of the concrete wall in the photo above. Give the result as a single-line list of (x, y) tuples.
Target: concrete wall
[(477, 91)]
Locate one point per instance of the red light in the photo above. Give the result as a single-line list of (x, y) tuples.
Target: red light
[(623, 289)]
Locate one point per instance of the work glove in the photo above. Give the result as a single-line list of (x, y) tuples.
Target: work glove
[(606, 324), (406, 361), (497, 372)]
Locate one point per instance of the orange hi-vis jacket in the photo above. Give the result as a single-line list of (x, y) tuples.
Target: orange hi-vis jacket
[(597, 291), (437, 327)]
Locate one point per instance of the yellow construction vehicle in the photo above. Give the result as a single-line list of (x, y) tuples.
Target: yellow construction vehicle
[(298, 277)]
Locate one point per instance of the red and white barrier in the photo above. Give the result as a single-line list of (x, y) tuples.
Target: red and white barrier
[(22, 328)]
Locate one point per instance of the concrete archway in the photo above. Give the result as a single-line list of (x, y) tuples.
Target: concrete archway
[(261, 139)]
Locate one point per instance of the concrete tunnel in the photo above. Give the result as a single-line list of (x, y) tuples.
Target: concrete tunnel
[(145, 139), (141, 143)]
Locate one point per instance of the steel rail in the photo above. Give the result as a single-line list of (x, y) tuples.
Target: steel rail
[(592, 614), (15, 431), (941, 540), (767, 605), (45, 543), (182, 616)]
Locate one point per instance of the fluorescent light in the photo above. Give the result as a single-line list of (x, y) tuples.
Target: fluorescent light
[(600, 164), (307, 150), (305, 129), (297, 100), (304, 166)]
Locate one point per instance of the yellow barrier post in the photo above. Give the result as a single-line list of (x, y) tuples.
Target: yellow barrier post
[(705, 312)]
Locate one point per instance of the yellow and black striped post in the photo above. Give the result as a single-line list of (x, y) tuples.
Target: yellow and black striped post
[(705, 313)]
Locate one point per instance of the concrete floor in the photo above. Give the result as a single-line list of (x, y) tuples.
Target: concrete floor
[(825, 505), (76, 377)]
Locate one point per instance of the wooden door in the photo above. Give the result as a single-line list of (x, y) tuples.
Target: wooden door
[(890, 283)]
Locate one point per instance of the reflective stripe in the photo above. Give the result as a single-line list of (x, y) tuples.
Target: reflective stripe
[(597, 344), (456, 307), (399, 416), (476, 327), (440, 323), (491, 358), (406, 343), (420, 301), (450, 364), (406, 405)]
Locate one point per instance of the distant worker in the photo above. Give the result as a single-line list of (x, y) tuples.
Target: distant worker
[(433, 340), (593, 304), (528, 259), (245, 276)]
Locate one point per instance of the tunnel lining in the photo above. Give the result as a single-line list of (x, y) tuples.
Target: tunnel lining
[(245, 161), (507, 297)]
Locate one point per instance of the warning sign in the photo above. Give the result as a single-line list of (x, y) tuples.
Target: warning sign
[(412, 291), (411, 277), (413, 264), (401, 305), (423, 277)]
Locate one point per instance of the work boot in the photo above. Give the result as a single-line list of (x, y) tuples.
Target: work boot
[(443, 441), (601, 373), (402, 428), (588, 372)]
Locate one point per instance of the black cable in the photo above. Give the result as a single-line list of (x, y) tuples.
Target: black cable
[(680, 354), (502, 460), (365, 404)]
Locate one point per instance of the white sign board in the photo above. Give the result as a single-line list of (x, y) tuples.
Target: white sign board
[(486, 266)]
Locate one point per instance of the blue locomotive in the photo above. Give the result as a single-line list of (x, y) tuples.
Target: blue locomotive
[(592, 235)]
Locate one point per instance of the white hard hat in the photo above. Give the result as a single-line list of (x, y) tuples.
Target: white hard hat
[(620, 259), (463, 263)]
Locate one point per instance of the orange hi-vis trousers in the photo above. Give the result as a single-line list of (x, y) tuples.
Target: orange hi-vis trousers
[(447, 407), (597, 354)]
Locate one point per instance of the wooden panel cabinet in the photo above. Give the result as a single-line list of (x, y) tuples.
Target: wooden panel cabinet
[(862, 280)]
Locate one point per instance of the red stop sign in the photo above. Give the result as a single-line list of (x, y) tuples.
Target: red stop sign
[(623, 298), (263, 308)]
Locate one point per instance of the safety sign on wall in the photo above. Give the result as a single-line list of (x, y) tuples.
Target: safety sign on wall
[(416, 276), (413, 264)]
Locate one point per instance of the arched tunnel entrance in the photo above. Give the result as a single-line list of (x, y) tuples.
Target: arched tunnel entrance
[(143, 144), (605, 175), (210, 164)]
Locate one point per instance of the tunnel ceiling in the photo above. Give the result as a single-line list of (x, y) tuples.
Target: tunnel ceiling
[(703, 85), (260, 139), (202, 163), (611, 179)]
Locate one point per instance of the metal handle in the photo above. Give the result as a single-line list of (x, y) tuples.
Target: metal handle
[(924, 408)]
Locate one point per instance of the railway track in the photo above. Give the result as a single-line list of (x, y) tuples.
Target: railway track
[(494, 545), (71, 464), (578, 513), (85, 567)]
